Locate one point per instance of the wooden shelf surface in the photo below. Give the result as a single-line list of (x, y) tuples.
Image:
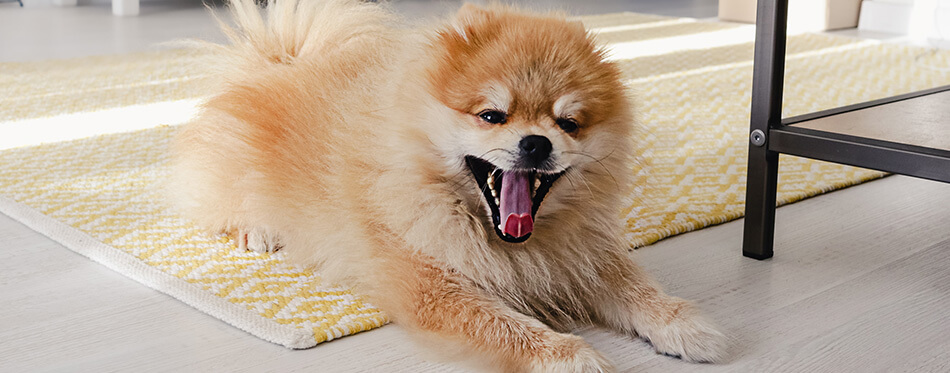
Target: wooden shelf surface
[(922, 121)]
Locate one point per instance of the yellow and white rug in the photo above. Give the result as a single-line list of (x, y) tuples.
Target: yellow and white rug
[(101, 196)]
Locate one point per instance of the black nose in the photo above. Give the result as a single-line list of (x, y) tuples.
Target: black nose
[(535, 149)]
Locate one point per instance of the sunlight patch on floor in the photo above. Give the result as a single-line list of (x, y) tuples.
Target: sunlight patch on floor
[(28, 132), (707, 69), (655, 47)]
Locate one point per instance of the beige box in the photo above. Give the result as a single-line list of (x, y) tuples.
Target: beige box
[(803, 15)]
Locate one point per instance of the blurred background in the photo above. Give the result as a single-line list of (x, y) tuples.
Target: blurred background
[(43, 29)]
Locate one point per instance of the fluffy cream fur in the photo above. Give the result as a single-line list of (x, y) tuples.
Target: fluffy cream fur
[(339, 134)]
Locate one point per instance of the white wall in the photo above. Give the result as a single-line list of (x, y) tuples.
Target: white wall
[(926, 21)]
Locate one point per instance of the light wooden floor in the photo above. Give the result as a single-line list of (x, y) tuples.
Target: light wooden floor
[(860, 283)]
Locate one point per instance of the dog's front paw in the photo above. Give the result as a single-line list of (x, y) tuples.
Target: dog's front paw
[(257, 241), (690, 336), (574, 356)]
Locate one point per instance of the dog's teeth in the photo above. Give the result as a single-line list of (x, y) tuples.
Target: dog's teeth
[(537, 183), (491, 184), (497, 200)]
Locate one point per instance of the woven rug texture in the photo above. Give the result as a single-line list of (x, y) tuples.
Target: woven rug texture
[(691, 82)]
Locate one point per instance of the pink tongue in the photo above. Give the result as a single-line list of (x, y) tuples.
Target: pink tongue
[(515, 206)]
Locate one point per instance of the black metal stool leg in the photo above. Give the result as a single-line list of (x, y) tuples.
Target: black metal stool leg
[(761, 189), (767, 81)]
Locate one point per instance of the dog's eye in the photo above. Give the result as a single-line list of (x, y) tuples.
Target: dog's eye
[(567, 124), (493, 116)]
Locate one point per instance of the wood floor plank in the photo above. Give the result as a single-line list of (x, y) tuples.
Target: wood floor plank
[(911, 294), (822, 244)]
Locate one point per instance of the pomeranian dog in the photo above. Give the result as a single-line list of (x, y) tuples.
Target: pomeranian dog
[(467, 177)]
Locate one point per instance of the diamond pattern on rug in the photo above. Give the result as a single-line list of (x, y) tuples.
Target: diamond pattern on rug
[(111, 188)]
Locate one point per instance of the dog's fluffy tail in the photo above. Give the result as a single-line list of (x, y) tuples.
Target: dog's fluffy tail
[(293, 31)]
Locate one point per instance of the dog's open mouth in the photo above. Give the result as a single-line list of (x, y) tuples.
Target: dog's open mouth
[(513, 196)]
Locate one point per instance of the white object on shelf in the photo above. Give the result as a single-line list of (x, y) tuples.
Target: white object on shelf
[(803, 15), (119, 7), (125, 7), (923, 21), (886, 16)]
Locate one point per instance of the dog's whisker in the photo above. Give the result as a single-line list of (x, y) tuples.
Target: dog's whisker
[(577, 174), (573, 173), (599, 161)]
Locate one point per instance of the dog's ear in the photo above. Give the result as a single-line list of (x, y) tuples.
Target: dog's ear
[(467, 18), (578, 26), (469, 10)]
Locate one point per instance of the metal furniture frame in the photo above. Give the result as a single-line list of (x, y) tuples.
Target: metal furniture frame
[(770, 135)]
